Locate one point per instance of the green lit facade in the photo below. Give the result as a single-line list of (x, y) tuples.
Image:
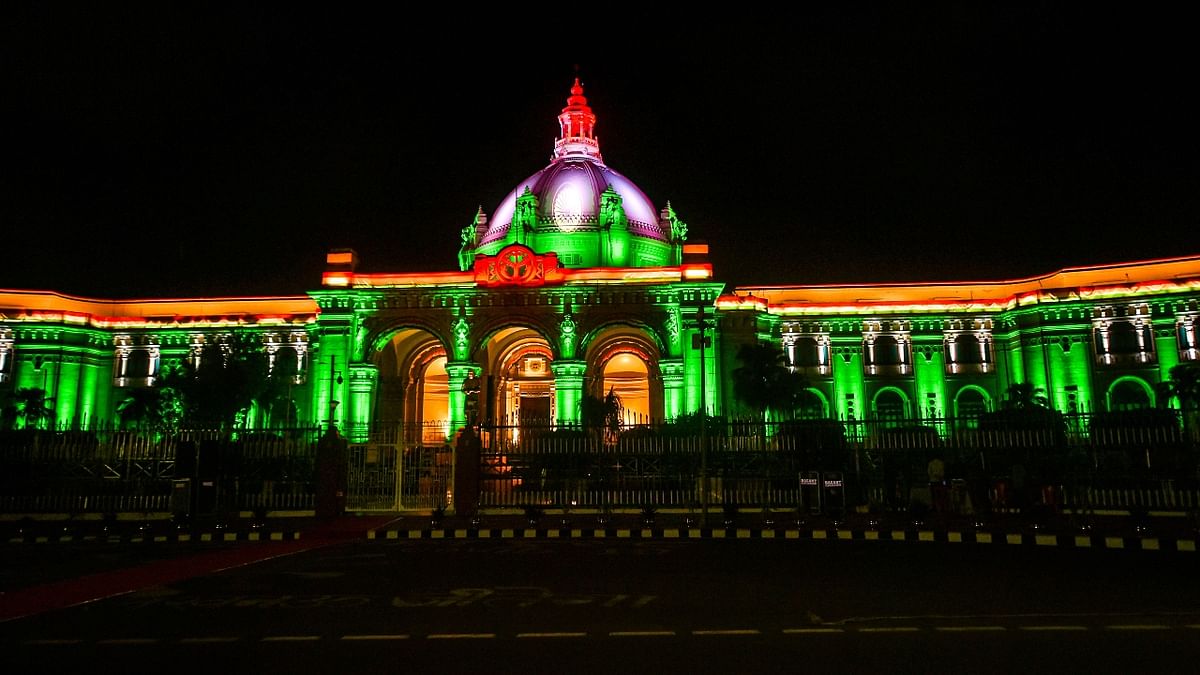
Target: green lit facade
[(576, 285)]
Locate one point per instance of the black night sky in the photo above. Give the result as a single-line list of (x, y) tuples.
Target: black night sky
[(223, 150)]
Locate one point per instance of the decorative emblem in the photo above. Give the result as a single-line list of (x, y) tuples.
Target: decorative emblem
[(517, 265), (566, 331)]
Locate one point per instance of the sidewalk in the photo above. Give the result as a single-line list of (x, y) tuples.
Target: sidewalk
[(309, 534), (1166, 532), (280, 537)]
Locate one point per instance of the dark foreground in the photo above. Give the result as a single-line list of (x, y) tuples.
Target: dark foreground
[(572, 606)]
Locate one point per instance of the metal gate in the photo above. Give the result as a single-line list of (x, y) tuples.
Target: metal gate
[(426, 475), (389, 477), (371, 477)]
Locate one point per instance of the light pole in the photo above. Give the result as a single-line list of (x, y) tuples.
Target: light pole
[(704, 496)]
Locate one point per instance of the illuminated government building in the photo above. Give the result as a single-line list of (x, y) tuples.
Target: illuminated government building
[(577, 283)]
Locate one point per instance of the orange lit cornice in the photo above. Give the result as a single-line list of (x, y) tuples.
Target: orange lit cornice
[(591, 275), (1175, 275), (50, 307), (413, 280)]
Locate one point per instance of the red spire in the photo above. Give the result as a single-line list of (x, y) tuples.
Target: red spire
[(577, 124)]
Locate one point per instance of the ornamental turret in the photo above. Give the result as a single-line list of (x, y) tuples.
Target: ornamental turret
[(577, 126)]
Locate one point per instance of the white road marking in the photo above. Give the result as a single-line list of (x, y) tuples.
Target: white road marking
[(642, 633), (375, 637), (460, 636), (292, 638), (739, 631), (550, 635)]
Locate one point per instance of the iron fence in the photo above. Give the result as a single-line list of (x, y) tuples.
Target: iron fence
[(104, 470), (1148, 460)]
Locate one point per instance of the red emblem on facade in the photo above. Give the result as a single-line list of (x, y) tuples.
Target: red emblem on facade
[(517, 265)]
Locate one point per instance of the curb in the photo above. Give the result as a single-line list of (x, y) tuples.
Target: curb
[(179, 538), (917, 536)]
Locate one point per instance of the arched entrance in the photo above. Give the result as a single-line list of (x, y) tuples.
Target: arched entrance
[(413, 394), (518, 382), (628, 377), (406, 463), (624, 360)]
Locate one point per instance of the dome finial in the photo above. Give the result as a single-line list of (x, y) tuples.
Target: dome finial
[(577, 124)]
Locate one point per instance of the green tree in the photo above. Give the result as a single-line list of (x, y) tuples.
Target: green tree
[(27, 407), (230, 376), (1184, 387), (1024, 396), (150, 408), (764, 382), (275, 398)]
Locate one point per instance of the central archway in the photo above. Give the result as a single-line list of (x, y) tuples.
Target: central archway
[(624, 360), (413, 393)]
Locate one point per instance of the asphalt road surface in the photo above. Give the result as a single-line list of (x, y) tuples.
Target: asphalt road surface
[(576, 606)]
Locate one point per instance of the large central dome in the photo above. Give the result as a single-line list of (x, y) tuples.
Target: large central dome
[(579, 208)]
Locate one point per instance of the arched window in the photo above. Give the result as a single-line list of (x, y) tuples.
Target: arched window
[(1128, 395), (890, 406), (969, 406), (810, 405)]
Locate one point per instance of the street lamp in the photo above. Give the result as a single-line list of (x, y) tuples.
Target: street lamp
[(334, 378), (470, 388)]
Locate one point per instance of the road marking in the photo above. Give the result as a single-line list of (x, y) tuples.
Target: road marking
[(1053, 627), (1139, 626), (127, 641), (735, 631), (207, 640), (890, 629), (969, 629), (292, 638), (804, 631), (53, 642), (459, 636), (374, 637), (642, 633), (550, 635)]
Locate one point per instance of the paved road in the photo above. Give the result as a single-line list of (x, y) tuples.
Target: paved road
[(643, 606)]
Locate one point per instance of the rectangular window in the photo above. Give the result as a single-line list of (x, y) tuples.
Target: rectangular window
[(1185, 334)]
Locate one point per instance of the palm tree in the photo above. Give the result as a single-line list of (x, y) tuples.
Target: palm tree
[(29, 406), (1184, 387), (149, 408), (764, 382), (230, 377), (602, 413), (1024, 396)]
